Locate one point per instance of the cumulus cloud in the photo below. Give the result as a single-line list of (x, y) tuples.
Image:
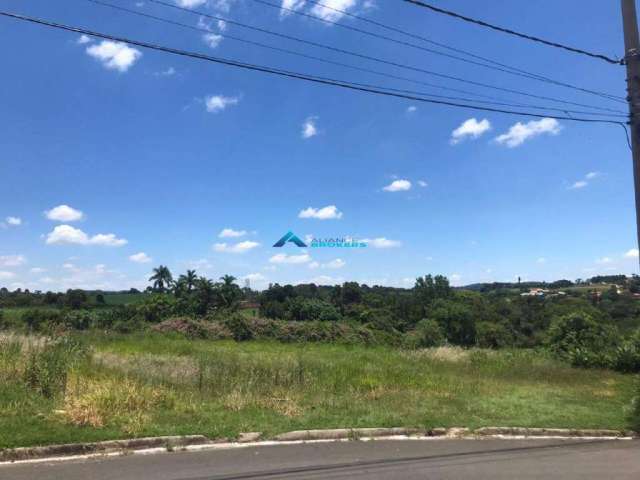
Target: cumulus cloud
[(140, 258), (382, 242), (633, 253), (218, 103), (521, 132), (212, 39), (11, 222), (83, 39), (283, 258), (398, 186), (231, 233), (12, 260), (114, 55), (240, 247), (412, 109), (66, 234), (330, 212), (471, 128), (328, 9), (309, 128), (333, 264), (190, 3), (422, 183), (64, 213), (37, 270), (288, 5)]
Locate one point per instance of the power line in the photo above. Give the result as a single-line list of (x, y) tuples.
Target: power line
[(419, 3), (286, 73), (375, 59), (492, 64), (278, 49)]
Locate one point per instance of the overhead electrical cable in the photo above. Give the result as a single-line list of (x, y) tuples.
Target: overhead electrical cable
[(488, 63), (311, 57), (286, 73), (549, 43), (379, 60)]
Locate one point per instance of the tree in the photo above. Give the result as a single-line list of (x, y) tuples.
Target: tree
[(161, 278), (229, 293), (189, 279)]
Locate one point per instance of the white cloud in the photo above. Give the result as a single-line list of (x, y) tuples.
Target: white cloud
[(541, 260), (578, 185), (633, 253), (140, 258), (520, 132), (212, 39), (382, 242), (83, 39), (240, 247), (166, 73), (422, 183), (254, 277), (13, 221), (68, 266), (114, 55), (324, 9), (398, 186), (330, 212), (66, 234), (412, 109), (283, 258), (294, 5), (12, 260), (190, 3), (583, 183), (335, 264), (231, 233), (470, 128), (37, 270), (309, 128), (217, 103), (64, 213), (6, 275)]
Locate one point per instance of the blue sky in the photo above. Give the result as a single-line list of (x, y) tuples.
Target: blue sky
[(152, 156)]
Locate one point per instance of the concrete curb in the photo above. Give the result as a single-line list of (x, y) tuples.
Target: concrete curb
[(170, 443)]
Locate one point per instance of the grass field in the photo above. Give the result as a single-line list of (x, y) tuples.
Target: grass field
[(141, 385)]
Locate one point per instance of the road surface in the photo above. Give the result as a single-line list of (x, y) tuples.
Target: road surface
[(380, 459)]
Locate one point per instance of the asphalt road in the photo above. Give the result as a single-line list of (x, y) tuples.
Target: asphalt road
[(441, 459)]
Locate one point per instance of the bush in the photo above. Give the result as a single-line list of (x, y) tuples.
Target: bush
[(634, 414), (582, 340), (191, 328), (240, 327), (492, 335), (428, 334), (156, 308), (77, 320), (627, 356), (38, 319)]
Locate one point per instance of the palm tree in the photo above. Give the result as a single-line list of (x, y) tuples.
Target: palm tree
[(189, 280), (161, 278), (228, 280)]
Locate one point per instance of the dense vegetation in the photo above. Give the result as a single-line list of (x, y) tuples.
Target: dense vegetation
[(592, 323)]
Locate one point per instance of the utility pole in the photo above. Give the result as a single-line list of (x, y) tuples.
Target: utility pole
[(632, 60)]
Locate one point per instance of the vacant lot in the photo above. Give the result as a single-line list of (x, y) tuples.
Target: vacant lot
[(139, 385)]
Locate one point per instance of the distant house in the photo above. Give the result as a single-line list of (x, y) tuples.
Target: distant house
[(535, 292)]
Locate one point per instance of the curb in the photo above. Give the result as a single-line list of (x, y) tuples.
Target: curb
[(169, 443)]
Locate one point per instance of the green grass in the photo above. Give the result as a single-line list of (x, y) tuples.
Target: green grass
[(141, 385)]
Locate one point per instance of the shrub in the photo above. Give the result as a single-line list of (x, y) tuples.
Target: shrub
[(191, 328), (429, 334), (77, 320), (582, 340), (156, 308), (240, 327), (38, 319), (492, 335), (627, 356)]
